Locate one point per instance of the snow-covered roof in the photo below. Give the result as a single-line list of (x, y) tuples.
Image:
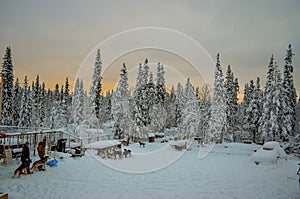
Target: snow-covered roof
[(151, 135), (160, 133)]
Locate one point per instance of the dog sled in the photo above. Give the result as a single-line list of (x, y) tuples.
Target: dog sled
[(78, 152)]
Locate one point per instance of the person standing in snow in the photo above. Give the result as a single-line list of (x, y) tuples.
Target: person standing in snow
[(42, 149), (25, 158)]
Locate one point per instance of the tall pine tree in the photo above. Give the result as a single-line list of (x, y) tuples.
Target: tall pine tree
[(265, 123), (24, 118), (253, 111), (7, 91), (96, 87), (120, 104), (231, 90), (289, 94), (217, 122), (16, 103)]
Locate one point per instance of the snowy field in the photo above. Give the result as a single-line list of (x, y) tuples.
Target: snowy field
[(227, 172)]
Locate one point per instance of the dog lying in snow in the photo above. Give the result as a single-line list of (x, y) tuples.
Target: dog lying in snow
[(22, 169), (40, 164), (180, 147)]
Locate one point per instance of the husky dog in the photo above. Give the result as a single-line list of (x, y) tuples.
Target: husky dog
[(179, 148), (118, 153), (127, 153)]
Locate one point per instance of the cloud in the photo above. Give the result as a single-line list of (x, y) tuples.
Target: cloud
[(47, 35)]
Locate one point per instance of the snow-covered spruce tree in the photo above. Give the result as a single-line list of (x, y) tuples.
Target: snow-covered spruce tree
[(249, 93), (289, 94), (160, 84), (77, 103), (49, 103), (158, 117), (247, 97), (231, 90), (190, 120), (81, 97), (36, 103), (297, 112), (179, 103), (147, 100), (205, 102), (7, 91), (120, 104), (30, 105), (89, 118), (96, 87), (145, 73), (16, 103), (107, 106), (151, 91), (156, 99), (137, 112), (170, 109), (276, 108), (67, 102), (43, 107), (139, 79), (74, 102), (217, 122), (55, 111), (24, 119), (142, 93), (74, 111), (265, 123), (253, 112), (189, 91), (63, 109)]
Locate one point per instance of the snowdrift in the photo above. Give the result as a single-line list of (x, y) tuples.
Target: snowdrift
[(268, 154)]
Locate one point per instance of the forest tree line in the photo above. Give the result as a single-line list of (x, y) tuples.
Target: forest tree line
[(212, 113)]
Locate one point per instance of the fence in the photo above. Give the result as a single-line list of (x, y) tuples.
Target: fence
[(17, 140)]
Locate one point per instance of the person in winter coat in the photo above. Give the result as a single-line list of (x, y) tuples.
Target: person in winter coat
[(42, 149), (25, 158)]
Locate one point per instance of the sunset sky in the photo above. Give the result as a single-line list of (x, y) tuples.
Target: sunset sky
[(54, 38)]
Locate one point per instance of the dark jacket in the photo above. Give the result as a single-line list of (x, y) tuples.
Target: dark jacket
[(25, 158)]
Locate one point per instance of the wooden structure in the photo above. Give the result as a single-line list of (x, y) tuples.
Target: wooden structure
[(151, 137), (17, 140), (7, 154)]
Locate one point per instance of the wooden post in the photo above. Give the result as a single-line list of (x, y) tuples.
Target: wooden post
[(7, 154), (34, 143)]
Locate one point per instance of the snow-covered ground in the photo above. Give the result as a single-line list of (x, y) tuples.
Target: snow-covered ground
[(227, 172)]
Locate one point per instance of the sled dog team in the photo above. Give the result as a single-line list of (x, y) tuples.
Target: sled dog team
[(114, 152)]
